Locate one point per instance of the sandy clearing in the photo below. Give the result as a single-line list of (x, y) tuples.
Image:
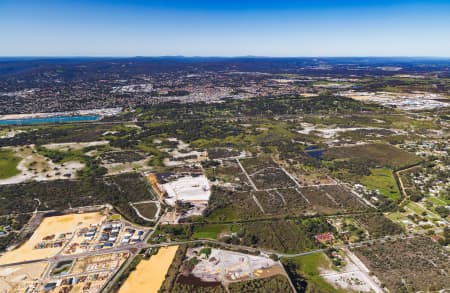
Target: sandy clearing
[(10, 133), (18, 278), (150, 274), (354, 276), (50, 226), (74, 145), (119, 168), (34, 166), (332, 132)]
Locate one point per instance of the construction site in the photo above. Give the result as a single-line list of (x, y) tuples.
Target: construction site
[(86, 274)]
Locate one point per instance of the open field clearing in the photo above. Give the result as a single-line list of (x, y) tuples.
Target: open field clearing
[(8, 163), (411, 265), (353, 276), (381, 154), (150, 274), (383, 180), (21, 278), (308, 268), (126, 167), (69, 146), (213, 231), (57, 230), (148, 210), (347, 132), (422, 211)]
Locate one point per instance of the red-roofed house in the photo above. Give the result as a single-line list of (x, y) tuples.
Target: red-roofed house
[(324, 237)]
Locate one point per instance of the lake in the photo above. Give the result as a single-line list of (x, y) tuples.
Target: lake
[(314, 151), (45, 120)]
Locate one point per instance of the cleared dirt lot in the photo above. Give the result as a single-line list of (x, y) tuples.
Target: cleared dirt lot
[(74, 145), (19, 278), (222, 265), (50, 226), (354, 276), (150, 274)]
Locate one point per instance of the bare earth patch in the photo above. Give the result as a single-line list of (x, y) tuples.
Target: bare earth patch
[(150, 274)]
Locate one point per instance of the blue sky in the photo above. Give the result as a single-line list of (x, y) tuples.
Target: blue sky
[(224, 28)]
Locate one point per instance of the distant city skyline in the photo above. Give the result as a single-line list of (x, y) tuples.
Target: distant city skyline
[(225, 28)]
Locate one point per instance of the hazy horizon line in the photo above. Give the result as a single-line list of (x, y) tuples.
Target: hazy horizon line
[(225, 56)]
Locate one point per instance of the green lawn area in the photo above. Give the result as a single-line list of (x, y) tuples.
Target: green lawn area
[(308, 267), (212, 231), (397, 217), (223, 215), (438, 201), (115, 217), (415, 208), (8, 163), (383, 180), (419, 210)]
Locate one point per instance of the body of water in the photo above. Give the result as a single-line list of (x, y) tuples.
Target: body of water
[(314, 151), (318, 154), (45, 120)]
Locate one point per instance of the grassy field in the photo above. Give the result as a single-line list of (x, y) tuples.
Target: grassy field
[(417, 209), (308, 268), (397, 217), (8, 163), (148, 210), (438, 201), (212, 231), (223, 214), (383, 180), (381, 154)]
